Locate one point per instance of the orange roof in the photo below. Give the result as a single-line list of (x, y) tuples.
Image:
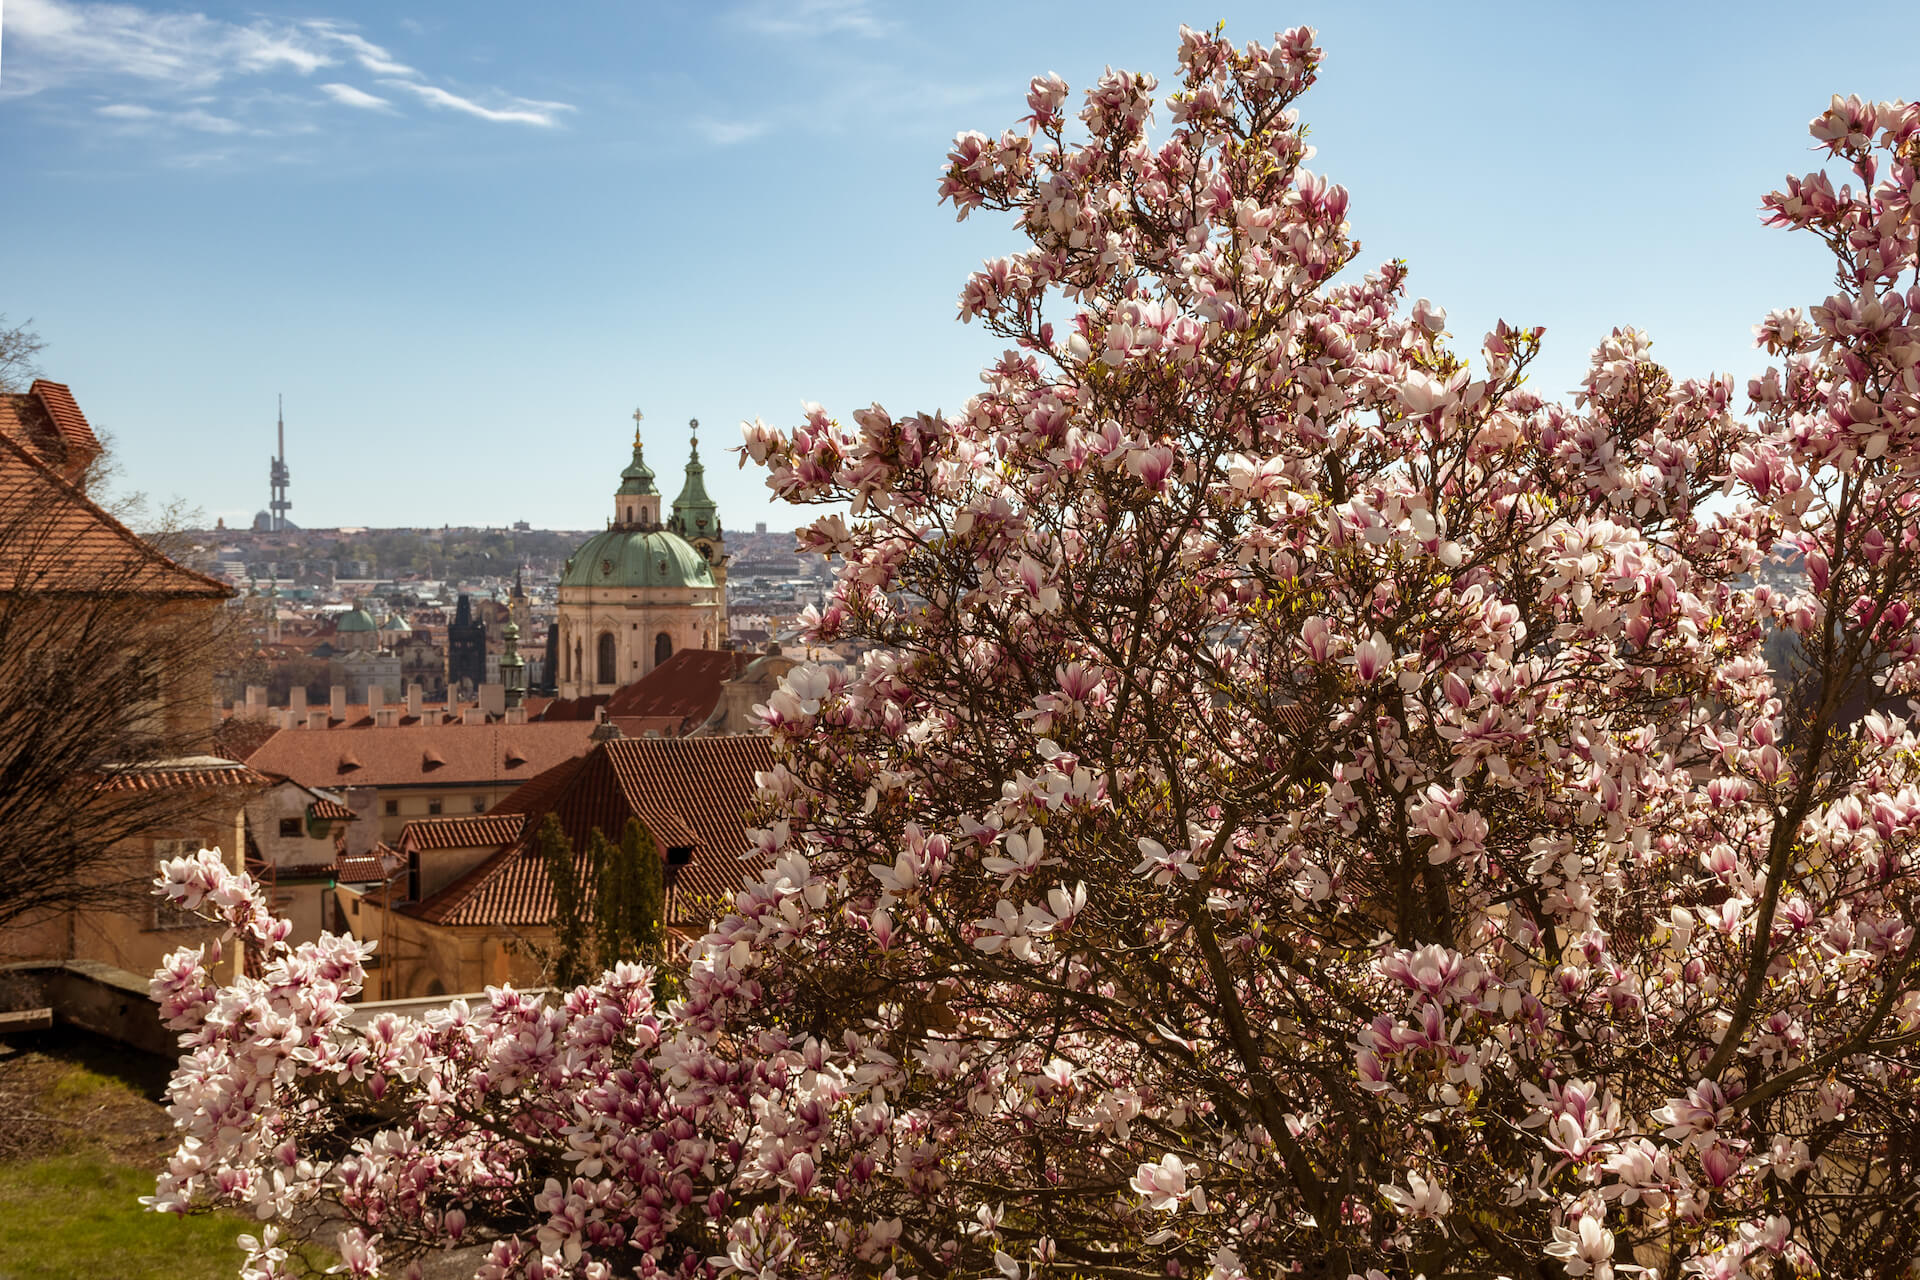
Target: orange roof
[(691, 793), (448, 755), (537, 794), (327, 810), (479, 831), (59, 540), (203, 773), (686, 687), (366, 868), (46, 420)]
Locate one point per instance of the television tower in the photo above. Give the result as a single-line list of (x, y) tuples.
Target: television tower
[(277, 474)]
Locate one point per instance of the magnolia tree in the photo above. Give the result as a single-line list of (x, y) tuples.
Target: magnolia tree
[(1310, 805)]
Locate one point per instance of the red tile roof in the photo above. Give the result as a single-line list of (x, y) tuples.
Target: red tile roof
[(326, 810), (692, 793), (59, 540), (238, 737), (421, 755), (686, 687), (537, 794), (480, 831), (201, 773), (366, 868), (571, 708), (46, 420)]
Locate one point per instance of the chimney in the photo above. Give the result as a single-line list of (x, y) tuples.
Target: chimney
[(337, 702), (493, 699), (383, 717), (297, 699), (287, 719), (317, 718), (256, 700), (473, 715), (516, 715), (413, 700), (376, 696)]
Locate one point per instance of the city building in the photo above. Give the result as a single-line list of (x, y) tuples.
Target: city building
[(105, 685), (478, 904), (466, 646), (632, 596), (390, 774)]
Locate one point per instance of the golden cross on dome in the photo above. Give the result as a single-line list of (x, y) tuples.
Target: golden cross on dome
[(637, 415), (693, 424)]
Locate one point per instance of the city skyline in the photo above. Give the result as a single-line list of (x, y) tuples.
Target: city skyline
[(465, 246)]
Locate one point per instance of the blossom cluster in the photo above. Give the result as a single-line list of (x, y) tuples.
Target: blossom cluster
[(1309, 804)]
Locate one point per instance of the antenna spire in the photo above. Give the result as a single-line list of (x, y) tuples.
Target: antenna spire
[(277, 474)]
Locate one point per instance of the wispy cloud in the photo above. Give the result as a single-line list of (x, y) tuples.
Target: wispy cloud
[(55, 43), (727, 133), (161, 70), (812, 18), (348, 96), (364, 51), (517, 110)]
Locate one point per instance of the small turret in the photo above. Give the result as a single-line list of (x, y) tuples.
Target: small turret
[(636, 503), (513, 666)]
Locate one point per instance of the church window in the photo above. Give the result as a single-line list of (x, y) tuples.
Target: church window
[(608, 672), (662, 648), (578, 662)]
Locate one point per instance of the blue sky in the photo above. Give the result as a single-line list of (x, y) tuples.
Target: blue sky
[(467, 240)]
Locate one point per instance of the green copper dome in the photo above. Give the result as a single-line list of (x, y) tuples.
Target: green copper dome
[(356, 620), (636, 558)]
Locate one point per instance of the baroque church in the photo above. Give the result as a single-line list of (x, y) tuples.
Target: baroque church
[(634, 595)]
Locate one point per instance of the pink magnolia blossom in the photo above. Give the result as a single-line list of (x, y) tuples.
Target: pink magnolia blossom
[(1284, 747)]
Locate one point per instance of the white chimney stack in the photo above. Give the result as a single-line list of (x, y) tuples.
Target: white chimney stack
[(337, 702)]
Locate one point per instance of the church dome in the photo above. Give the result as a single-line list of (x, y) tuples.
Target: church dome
[(637, 558), (356, 620)]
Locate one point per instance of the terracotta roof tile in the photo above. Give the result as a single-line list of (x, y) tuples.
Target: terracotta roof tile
[(692, 794), (199, 774), (480, 831), (537, 794), (238, 737), (443, 755), (75, 432), (46, 420), (367, 868), (684, 689), (59, 540), (326, 810)]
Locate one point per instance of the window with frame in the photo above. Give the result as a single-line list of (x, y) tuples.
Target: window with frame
[(433, 805), (479, 804), (165, 914), (393, 808), (291, 828)]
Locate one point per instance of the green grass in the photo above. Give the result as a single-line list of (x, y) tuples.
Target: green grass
[(70, 1195), (78, 1216)]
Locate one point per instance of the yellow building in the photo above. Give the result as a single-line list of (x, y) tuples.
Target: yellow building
[(643, 590)]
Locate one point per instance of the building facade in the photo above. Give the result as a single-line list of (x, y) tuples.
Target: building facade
[(466, 647), (636, 594)]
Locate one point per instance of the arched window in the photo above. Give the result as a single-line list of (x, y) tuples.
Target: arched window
[(579, 665), (662, 648), (607, 673)]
